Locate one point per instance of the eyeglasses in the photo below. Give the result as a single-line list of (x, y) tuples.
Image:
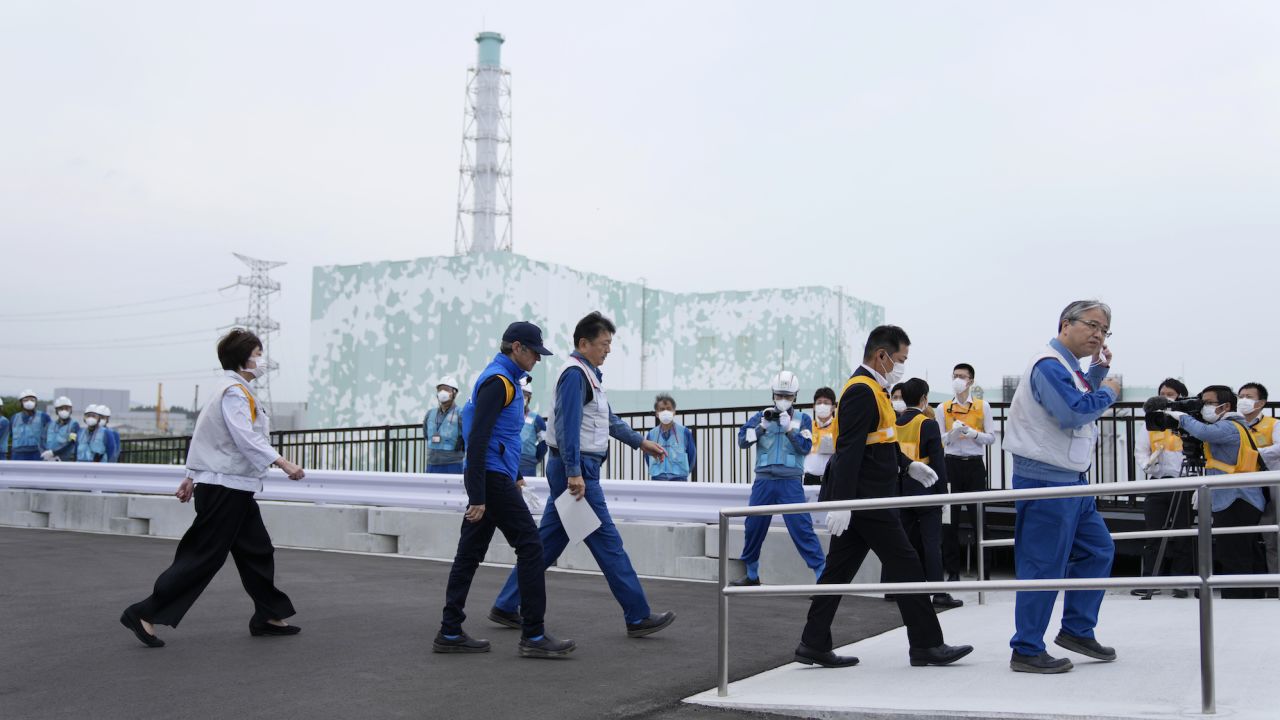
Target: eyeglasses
[(1094, 327)]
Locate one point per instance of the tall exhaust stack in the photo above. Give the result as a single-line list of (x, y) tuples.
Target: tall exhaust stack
[(484, 181)]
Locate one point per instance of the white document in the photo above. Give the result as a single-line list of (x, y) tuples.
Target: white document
[(577, 517)]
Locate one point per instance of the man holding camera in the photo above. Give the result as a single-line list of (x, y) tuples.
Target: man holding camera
[(1052, 434), (1266, 435), (1228, 449), (1158, 452)]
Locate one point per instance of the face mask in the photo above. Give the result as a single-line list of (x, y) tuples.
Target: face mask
[(894, 376), (823, 411), (782, 405), (1209, 413), (64, 414), (666, 416), (1246, 405), (444, 396), (91, 421), (28, 404), (260, 367), (899, 406), (959, 385)]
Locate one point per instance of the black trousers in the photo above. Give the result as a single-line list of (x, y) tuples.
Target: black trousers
[(879, 531), (504, 510), (924, 530), (1237, 554), (811, 479), (227, 521), (964, 475), (1157, 510)]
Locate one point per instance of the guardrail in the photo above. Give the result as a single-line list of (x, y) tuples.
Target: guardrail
[(1205, 581)]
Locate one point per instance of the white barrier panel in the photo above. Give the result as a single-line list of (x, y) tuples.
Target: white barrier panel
[(630, 500)]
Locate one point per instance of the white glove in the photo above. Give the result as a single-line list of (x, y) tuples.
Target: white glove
[(1176, 415), (968, 432), (838, 521), (922, 473), (531, 499), (751, 435), (784, 421), (47, 456), (797, 425)]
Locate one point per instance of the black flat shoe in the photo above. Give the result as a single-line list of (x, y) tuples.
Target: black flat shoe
[(256, 629), (547, 647), (745, 582), (505, 619), (1042, 664), (1085, 646), (463, 643), (825, 658), (942, 655), (130, 620), (651, 624), (946, 602)]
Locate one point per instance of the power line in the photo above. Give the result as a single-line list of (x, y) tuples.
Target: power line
[(46, 313), (177, 374), (124, 315), (118, 346)]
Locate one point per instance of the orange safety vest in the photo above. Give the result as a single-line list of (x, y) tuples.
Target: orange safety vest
[(1246, 459), (821, 432), (1263, 431), (909, 438), (972, 414), (1166, 440), (886, 427)]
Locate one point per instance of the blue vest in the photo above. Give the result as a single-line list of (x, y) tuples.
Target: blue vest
[(449, 428), (503, 453), (677, 462), (775, 448), (28, 431), (529, 440), (91, 445), (59, 438)]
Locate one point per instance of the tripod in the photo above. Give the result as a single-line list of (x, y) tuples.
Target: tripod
[(1191, 467)]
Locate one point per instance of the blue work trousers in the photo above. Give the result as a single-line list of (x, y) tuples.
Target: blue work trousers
[(777, 491), (605, 543), (1059, 538), (450, 469), (26, 453)]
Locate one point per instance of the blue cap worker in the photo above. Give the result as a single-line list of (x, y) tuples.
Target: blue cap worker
[(1252, 400), (533, 444), (113, 437), (676, 439), (1052, 434), (824, 435), (578, 434), (784, 437), (60, 439), (29, 428), (91, 443), (492, 421), (442, 427)]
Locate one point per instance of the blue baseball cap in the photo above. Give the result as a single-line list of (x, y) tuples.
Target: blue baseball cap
[(528, 335)]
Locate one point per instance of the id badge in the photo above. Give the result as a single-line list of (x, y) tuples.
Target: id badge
[(435, 439)]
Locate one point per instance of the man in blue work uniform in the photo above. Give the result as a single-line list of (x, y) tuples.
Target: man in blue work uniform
[(4, 438), (491, 421), (113, 437), (29, 428), (675, 439), (60, 439), (784, 437), (533, 446), (578, 435), (91, 443), (1052, 434), (442, 427)]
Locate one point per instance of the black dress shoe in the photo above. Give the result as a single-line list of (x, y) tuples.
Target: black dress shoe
[(547, 647), (944, 600), (130, 619), (825, 658), (941, 655), (651, 624), (1042, 664), (953, 577), (1085, 646), (745, 582), (463, 643), (1180, 593), (1144, 593), (258, 629), (505, 619)]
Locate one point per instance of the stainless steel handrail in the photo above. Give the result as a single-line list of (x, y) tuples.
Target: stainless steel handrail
[(1206, 581)]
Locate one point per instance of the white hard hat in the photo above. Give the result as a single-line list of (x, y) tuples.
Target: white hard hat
[(28, 394), (62, 401), (104, 411), (90, 408), (785, 382), (448, 381)]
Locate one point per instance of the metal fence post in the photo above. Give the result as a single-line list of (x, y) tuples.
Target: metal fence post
[(722, 612), (386, 448), (1208, 699), (982, 552)]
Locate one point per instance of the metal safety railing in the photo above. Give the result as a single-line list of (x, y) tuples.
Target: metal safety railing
[(1205, 581)]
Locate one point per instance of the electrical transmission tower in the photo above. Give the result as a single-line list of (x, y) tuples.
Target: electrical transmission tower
[(484, 180), (258, 319)]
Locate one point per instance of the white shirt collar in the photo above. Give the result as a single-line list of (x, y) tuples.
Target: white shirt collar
[(877, 376)]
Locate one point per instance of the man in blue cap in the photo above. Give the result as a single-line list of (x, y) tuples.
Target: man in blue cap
[(491, 423)]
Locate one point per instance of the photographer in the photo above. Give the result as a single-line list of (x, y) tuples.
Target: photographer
[(1228, 450), (1158, 452), (1266, 435)]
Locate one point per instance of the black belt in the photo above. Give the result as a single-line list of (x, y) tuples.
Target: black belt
[(964, 458)]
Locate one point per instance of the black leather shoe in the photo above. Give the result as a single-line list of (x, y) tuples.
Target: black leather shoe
[(130, 619), (505, 619), (1144, 593), (1180, 593), (942, 655), (825, 658), (651, 624), (257, 629), (945, 601), (1085, 646), (953, 577), (464, 643), (547, 647), (1042, 664), (745, 582)]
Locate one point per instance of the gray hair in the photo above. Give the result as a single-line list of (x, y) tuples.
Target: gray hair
[(664, 397), (506, 348), (1077, 309)]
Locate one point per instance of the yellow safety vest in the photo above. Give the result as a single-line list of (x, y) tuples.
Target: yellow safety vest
[(909, 438), (1246, 459), (971, 414), (1263, 431), (1166, 440), (821, 432), (885, 428)]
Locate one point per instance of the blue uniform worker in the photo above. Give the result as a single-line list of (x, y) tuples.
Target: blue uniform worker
[(4, 438), (533, 446), (783, 441), (578, 435), (91, 443), (1052, 434), (60, 438), (112, 437), (676, 440), (442, 427), (29, 429)]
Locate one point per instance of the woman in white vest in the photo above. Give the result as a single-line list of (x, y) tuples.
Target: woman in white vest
[(230, 453)]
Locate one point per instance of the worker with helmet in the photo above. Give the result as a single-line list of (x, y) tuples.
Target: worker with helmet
[(60, 438), (29, 428), (4, 438), (533, 444), (91, 443), (112, 437), (784, 437), (442, 427)]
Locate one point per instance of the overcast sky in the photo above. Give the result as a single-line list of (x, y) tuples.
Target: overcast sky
[(970, 166)]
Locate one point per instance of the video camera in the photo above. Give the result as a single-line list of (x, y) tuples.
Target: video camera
[(1158, 419), (772, 414)]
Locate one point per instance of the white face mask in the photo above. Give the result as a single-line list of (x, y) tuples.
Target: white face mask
[(1246, 405), (260, 367), (959, 385), (64, 414), (894, 376), (444, 396), (666, 416), (91, 421), (899, 406), (783, 405), (1209, 413), (822, 410), (28, 404)]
